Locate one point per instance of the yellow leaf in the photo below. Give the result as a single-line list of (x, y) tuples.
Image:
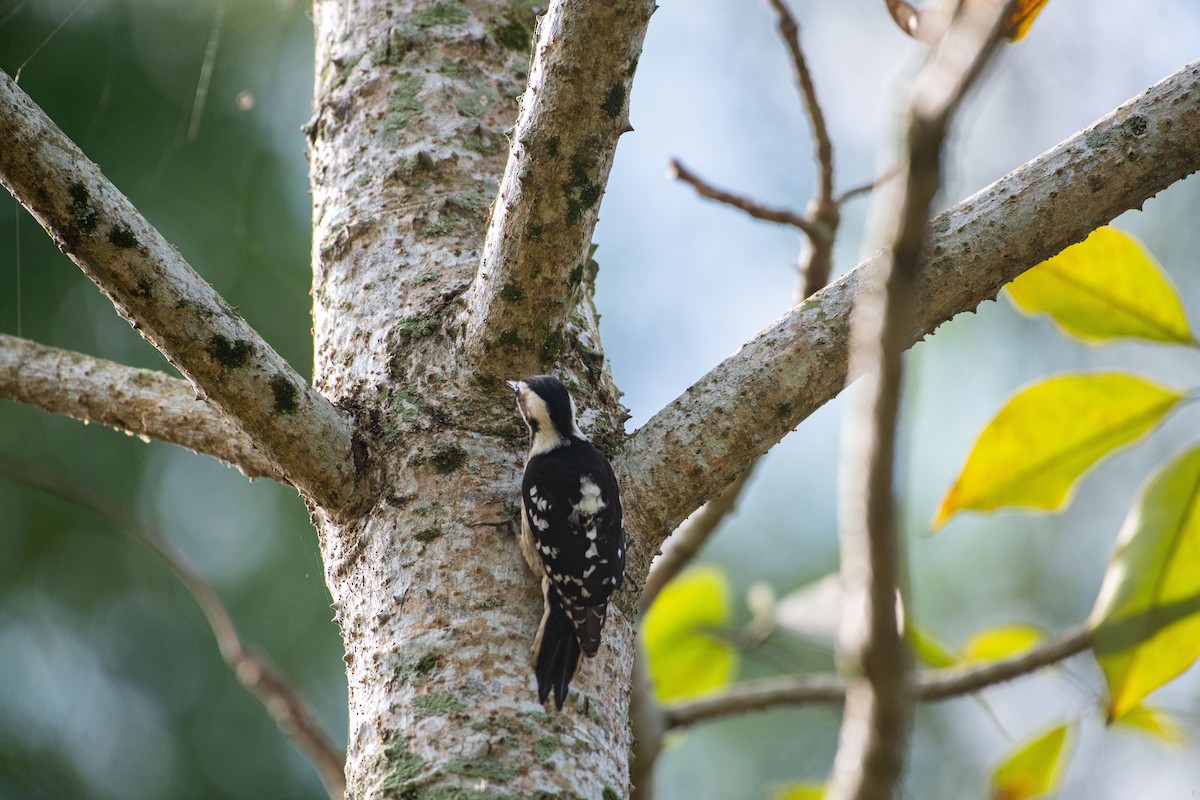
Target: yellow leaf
[(1033, 769), (801, 790), (1154, 721), (1146, 629), (1021, 18), (1106, 287), (1048, 435), (1000, 642), (684, 656), (927, 648)]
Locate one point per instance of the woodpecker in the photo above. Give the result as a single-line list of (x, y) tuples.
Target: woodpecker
[(571, 532)]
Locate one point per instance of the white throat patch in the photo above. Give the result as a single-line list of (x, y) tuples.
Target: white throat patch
[(534, 410)]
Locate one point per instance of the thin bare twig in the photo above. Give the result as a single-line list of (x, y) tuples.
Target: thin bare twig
[(685, 543), (705, 189), (865, 188), (649, 724), (878, 709), (253, 671), (823, 210), (789, 31), (827, 689), (823, 215)]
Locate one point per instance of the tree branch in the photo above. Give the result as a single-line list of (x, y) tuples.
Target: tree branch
[(878, 710), (697, 444), (139, 402), (174, 308), (928, 685), (574, 110), (944, 684), (685, 543), (789, 31), (864, 188), (251, 669), (648, 723)]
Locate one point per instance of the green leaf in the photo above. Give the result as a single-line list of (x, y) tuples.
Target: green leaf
[(1033, 769), (927, 648), (1048, 435), (1146, 629), (1153, 721), (801, 790), (1106, 287), (684, 656), (1000, 642)]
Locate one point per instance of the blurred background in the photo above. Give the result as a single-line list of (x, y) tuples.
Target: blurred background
[(110, 685)]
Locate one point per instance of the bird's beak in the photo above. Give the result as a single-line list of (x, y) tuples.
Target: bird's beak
[(514, 385)]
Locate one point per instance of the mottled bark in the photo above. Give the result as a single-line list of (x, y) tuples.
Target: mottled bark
[(535, 258), (164, 299), (436, 606), (139, 402)]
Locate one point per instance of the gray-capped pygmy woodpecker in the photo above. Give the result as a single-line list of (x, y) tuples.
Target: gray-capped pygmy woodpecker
[(571, 532)]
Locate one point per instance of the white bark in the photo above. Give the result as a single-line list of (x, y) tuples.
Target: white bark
[(436, 606), (574, 109)]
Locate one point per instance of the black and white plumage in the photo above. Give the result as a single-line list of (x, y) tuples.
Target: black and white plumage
[(571, 532)]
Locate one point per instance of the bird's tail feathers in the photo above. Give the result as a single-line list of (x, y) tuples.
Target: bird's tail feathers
[(556, 652)]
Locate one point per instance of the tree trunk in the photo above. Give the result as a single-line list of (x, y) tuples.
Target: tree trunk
[(437, 609)]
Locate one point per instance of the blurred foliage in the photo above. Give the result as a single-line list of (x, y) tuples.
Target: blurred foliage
[(111, 683), (926, 648), (1146, 625), (1001, 641), (1147, 617), (682, 631), (1034, 768), (800, 791), (1156, 722)]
